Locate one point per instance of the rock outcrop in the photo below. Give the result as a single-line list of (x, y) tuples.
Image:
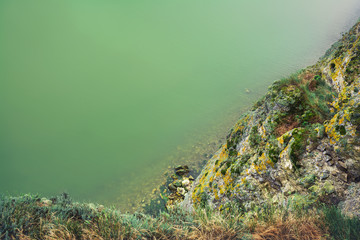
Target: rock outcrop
[(301, 138)]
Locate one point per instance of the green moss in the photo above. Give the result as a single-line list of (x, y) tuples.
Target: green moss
[(231, 142), (254, 137), (203, 199), (298, 144), (353, 69), (273, 151), (355, 117), (280, 84), (341, 129), (298, 202), (239, 164), (308, 180), (328, 187)]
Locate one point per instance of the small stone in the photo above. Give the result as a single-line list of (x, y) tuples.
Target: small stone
[(100, 208), (327, 153), (91, 206), (328, 187), (288, 189), (330, 163), (186, 182), (46, 202), (261, 180), (177, 183), (343, 177), (181, 191), (172, 187), (327, 158), (324, 175), (320, 164), (321, 148), (341, 165), (178, 167), (182, 172)]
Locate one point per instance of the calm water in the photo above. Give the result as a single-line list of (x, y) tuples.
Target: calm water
[(98, 98)]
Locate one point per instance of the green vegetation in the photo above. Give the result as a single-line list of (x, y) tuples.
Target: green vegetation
[(341, 227), (31, 217), (254, 138)]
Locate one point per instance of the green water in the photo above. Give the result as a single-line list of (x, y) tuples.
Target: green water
[(98, 98)]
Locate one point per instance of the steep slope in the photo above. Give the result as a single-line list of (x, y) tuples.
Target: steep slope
[(302, 139)]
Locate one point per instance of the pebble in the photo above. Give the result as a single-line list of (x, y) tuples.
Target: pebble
[(324, 175), (327, 158), (321, 148)]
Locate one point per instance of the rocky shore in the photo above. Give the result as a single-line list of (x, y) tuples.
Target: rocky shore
[(289, 169)]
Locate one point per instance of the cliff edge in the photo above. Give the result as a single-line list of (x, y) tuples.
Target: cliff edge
[(302, 139)]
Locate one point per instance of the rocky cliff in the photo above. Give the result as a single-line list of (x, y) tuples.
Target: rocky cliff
[(301, 139)]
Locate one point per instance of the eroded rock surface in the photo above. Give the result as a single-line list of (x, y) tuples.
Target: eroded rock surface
[(302, 138)]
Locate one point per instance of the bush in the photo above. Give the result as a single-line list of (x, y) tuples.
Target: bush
[(340, 226)]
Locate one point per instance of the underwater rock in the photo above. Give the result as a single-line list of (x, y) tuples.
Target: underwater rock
[(179, 186), (177, 183), (186, 182), (181, 191)]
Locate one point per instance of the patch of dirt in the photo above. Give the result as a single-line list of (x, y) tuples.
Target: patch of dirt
[(287, 124), (312, 85), (308, 76)]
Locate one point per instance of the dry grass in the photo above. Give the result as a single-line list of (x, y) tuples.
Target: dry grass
[(213, 227), (291, 227)]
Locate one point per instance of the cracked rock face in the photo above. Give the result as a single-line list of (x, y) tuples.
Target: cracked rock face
[(302, 138)]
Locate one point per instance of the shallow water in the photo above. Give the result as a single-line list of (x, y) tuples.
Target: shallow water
[(98, 98)]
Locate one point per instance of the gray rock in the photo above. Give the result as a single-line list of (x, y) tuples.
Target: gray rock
[(321, 148), (341, 165), (351, 205), (261, 180), (181, 191), (324, 175), (327, 158), (330, 163), (343, 177)]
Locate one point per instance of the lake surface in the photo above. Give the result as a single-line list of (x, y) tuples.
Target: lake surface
[(99, 98)]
